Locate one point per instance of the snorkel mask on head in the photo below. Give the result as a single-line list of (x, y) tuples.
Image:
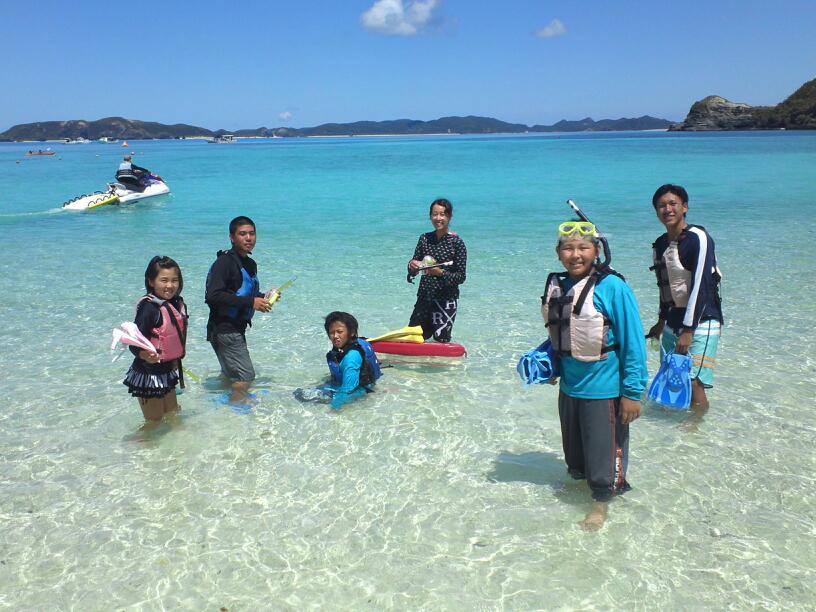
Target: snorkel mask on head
[(585, 229), (577, 229)]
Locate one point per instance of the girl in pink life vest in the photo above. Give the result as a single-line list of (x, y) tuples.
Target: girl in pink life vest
[(162, 317)]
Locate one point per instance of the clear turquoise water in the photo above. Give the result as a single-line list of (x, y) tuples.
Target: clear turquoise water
[(445, 489)]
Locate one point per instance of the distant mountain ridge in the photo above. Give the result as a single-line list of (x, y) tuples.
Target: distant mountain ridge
[(111, 127), (131, 129), (714, 113)]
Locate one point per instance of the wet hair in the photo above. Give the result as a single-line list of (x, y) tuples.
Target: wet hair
[(238, 222), (677, 190), (158, 263), (128, 157), (345, 318), (444, 204)]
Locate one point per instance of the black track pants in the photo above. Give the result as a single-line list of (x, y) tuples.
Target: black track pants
[(596, 443)]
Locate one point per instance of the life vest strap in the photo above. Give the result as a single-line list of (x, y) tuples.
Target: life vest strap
[(579, 303)]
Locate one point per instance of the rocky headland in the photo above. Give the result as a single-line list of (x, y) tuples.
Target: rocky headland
[(717, 113), (714, 113)]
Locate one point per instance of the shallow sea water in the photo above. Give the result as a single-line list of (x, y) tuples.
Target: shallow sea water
[(445, 489)]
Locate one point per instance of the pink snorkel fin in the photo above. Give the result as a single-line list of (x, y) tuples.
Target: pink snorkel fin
[(128, 334)]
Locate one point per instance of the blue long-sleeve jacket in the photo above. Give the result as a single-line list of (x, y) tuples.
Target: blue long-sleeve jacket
[(350, 387), (623, 372)]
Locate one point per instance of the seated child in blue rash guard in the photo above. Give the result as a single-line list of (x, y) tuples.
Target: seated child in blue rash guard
[(594, 326), (353, 365)]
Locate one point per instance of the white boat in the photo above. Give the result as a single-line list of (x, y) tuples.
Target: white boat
[(117, 193), (107, 140), (79, 140)]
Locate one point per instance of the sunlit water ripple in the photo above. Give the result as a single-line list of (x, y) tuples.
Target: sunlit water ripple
[(445, 489)]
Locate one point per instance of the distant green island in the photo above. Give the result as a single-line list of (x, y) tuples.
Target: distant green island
[(714, 113), (131, 129)]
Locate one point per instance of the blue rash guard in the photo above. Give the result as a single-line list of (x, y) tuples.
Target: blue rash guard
[(623, 372), (349, 388)]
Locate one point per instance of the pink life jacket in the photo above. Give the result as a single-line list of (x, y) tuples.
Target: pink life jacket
[(170, 336)]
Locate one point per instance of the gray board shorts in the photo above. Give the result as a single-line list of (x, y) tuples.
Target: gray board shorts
[(233, 356)]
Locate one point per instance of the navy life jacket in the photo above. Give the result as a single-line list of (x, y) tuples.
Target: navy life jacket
[(249, 286), (370, 371)]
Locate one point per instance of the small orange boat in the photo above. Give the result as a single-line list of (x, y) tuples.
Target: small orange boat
[(125, 144)]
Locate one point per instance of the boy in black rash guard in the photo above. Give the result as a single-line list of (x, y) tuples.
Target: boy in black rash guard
[(438, 293), (690, 315), (233, 295)]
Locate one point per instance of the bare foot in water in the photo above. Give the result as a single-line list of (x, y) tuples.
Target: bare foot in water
[(239, 393), (695, 418), (595, 518)]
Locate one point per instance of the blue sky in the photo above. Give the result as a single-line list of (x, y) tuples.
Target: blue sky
[(247, 64)]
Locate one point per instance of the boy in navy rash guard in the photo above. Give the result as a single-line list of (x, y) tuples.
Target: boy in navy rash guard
[(690, 315), (603, 365)]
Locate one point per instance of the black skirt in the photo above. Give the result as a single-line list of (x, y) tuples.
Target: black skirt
[(146, 380)]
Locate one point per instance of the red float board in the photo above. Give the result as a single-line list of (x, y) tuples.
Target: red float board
[(424, 349)]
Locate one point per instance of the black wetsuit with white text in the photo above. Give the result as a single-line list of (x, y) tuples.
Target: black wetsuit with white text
[(438, 296)]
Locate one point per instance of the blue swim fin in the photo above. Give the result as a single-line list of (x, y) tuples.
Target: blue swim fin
[(671, 386), (539, 365), (223, 399)]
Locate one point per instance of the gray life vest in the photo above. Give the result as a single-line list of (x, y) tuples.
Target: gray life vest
[(575, 326), (126, 171), (673, 280)]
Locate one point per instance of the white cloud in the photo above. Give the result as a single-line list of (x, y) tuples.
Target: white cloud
[(285, 115), (395, 18), (554, 28)]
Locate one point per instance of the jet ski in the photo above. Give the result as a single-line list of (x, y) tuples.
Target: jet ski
[(119, 193)]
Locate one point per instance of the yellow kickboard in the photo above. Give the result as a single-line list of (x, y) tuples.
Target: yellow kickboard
[(406, 334), (104, 201)]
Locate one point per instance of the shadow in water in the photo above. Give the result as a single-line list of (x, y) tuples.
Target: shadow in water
[(536, 468), (426, 366), (539, 468)]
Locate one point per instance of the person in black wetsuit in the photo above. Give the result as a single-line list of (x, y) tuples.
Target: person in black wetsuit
[(130, 175), (438, 293)]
